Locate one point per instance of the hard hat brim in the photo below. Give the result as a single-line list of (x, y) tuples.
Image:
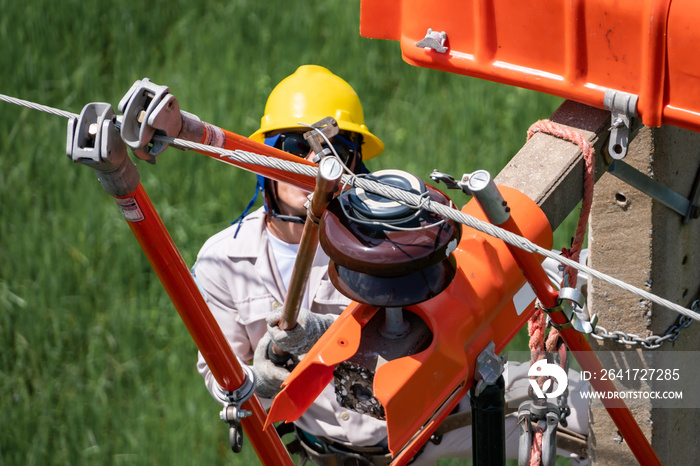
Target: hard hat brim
[(372, 146)]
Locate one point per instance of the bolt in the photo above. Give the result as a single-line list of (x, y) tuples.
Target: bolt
[(618, 123), (479, 180), (141, 116), (92, 130), (480, 176)]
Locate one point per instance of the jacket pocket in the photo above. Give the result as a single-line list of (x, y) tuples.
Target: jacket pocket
[(254, 309), (328, 300)]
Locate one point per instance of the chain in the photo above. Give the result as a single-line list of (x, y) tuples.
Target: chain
[(563, 399), (652, 341)]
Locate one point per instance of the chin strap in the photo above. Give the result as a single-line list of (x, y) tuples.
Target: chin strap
[(288, 218)]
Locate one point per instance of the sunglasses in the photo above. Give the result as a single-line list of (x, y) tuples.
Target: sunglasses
[(294, 143)]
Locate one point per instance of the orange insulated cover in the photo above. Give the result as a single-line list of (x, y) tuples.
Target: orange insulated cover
[(576, 49)]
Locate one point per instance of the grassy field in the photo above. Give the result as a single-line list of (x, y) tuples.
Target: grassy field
[(96, 367)]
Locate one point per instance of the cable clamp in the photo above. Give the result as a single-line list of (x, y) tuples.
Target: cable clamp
[(149, 109), (93, 140), (319, 134), (622, 107), (451, 182), (233, 413), (572, 305)]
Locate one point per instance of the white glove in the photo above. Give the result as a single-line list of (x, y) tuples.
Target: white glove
[(299, 340), (268, 376)]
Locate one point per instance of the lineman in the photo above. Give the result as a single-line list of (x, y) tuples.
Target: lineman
[(244, 271)]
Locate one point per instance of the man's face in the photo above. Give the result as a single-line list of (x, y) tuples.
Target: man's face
[(291, 199)]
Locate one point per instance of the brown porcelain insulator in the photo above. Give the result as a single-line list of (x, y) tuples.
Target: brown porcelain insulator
[(382, 266), (404, 290)]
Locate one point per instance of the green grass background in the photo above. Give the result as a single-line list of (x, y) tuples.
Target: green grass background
[(96, 367)]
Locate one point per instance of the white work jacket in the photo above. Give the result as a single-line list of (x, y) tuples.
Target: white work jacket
[(240, 282)]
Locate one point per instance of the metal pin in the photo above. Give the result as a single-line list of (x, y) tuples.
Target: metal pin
[(395, 327), (618, 123)]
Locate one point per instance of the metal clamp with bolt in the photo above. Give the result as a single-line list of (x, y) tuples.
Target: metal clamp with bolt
[(321, 131), (233, 413), (571, 304), (93, 140), (623, 108), (150, 109)]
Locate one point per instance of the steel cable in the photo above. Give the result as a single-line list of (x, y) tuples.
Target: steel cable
[(39, 107), (418, 201), (408, 198)]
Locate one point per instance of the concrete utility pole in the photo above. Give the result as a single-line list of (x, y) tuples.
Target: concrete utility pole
[(635, 239), (642, 242)]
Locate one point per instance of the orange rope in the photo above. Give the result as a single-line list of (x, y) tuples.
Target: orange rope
[(536, 451), (563, 132), (537, 323)]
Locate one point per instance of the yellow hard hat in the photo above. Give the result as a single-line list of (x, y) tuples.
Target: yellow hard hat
[(311, 94)]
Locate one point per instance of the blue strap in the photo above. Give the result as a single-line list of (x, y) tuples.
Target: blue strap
[(272, 140), (258, 189), (346, 141)]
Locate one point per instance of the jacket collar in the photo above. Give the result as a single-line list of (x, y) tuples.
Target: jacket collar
[(253, 243), (252, 240)]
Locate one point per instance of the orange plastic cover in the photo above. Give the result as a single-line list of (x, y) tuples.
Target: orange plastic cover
[(418, 391), (576, 49)]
